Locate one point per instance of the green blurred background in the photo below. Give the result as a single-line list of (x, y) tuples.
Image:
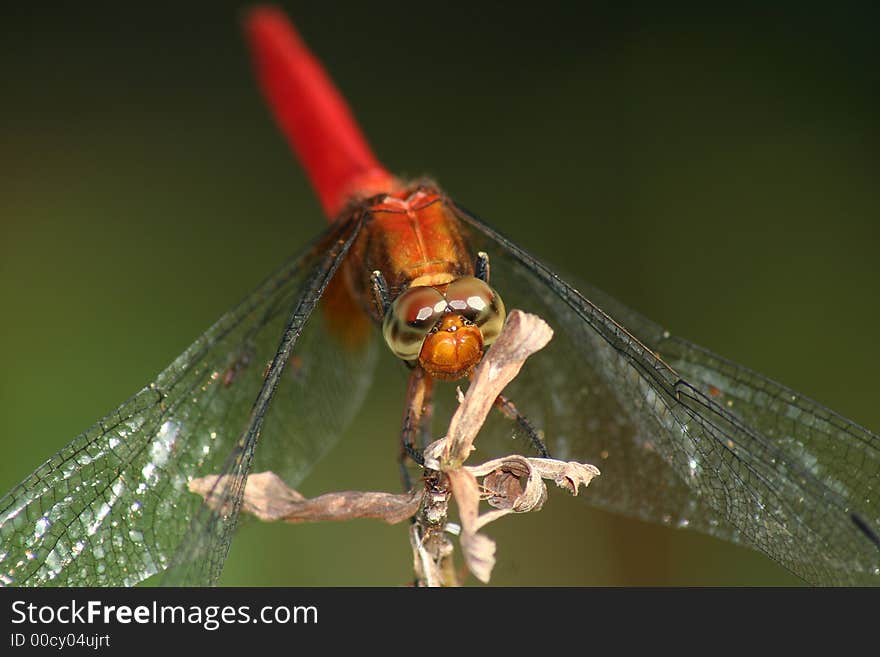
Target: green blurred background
[(715, 170)]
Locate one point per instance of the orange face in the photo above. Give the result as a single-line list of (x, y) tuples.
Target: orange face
[(452, 349)]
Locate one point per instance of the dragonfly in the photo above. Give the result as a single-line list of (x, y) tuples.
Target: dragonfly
[(682, 436)]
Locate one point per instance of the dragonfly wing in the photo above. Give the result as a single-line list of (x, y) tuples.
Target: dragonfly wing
[(203, 553), (686, 438), (113, 506)]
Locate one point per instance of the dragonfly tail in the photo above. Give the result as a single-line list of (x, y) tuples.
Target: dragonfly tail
[(312, 114)]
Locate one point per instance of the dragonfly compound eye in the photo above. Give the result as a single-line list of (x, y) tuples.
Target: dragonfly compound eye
[(411, 317), (445, 332), (478, 303)]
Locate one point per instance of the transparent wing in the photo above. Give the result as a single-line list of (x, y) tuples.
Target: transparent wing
[(113, 507), (685, 438), (206, 545)]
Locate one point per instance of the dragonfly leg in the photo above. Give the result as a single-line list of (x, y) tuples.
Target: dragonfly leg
[(427, 416), (380, 291), (509, 410), (416, 421), (481, 267)]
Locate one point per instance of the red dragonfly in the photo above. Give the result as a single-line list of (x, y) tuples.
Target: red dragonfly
[(682, 436)]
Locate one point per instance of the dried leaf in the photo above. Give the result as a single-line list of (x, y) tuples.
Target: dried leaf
[(479, 554), (523, 335), (479, 550), (503, 486), (503, 489), (568, 475), (269, 498)]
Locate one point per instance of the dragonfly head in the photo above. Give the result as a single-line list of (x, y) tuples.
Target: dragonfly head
[(446, 331)]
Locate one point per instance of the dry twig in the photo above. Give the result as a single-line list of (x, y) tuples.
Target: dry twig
[(269, 498)]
